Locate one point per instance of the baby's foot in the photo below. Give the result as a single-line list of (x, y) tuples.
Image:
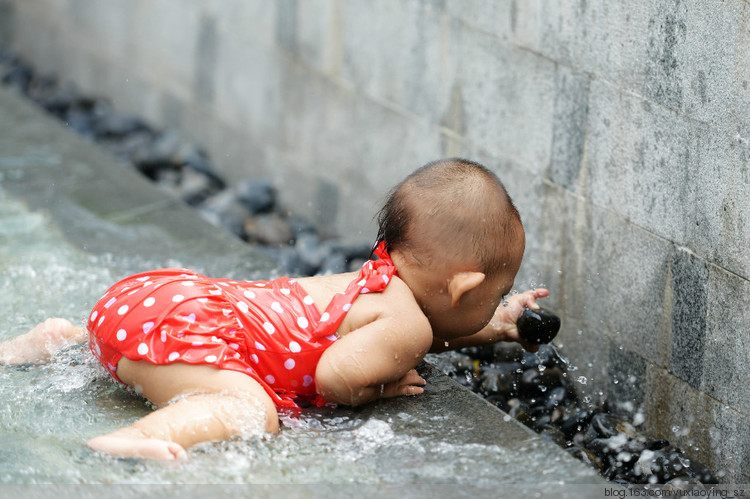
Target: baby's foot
[(39, 344), (149, 448)]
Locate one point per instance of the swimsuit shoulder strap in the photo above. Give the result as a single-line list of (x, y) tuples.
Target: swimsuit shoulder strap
[(373, 278)]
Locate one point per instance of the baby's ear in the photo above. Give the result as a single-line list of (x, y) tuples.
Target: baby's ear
[(463, 282)]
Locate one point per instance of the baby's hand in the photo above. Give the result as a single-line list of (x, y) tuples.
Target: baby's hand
[(504, 321), (410, 384)]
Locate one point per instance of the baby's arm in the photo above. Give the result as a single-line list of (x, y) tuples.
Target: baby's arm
[(381, 352), (502, 326)]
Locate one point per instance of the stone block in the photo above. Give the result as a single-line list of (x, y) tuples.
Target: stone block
[(205, 60), (165, 42), (727, 343), (640, 160), (569, 128), (717, 223), (703, 427), (397, 52), (7, 23), (689, 289), (607, 40), (693, 52), (247, 87), (508, 99), (627, 380), (625, 272)]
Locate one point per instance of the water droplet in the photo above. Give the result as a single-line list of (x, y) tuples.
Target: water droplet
[(582, 380)]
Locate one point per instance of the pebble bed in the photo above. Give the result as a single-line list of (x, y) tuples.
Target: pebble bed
[(536, 389)]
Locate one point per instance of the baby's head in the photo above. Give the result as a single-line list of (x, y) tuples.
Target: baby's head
[(457, 241)]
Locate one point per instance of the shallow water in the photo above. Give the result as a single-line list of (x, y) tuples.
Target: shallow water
[(49, 411)]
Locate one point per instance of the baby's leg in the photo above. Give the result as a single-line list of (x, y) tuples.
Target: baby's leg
[(214, 404), (39, 344)]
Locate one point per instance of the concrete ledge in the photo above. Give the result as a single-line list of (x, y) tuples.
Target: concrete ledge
[(100, 214)]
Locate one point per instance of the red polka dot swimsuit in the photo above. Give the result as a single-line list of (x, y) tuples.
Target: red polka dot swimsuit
[(269, 330)]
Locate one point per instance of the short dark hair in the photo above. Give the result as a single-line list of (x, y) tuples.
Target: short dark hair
[(455, 196)]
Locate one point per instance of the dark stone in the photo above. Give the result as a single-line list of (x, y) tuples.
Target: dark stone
[(334, 263), (496, 381), (268, 228), (229, 211), (538, 326), (116, 125), (689, 309), (257, 196), (195, 187)]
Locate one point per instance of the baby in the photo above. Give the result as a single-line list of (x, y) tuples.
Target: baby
[(220, 357)]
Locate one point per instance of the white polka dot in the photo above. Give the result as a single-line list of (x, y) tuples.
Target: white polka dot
[(269, 327), (294, 346), (223, 284), (149, 301), (93, 315), (190, 318), (307, 380), (226, 311), (364, 291), (242, 306), (324, 317), (259, 346), (147, 326), (110, 302), (177, 298), (347, 307), (111, 367), (197, 343), (163, 336), (386, 279), (122, 334), (145, 278), (254, 358), (276, 306), (133, 292), (307, 300), (98, 349), (203, 300), (302, 322), (210, 358), (143, 349), (122, 310), (188, 283), (149, 283), (362, 282), (289, 364), (233, 346), (173, 356), (101, 319), (249, 294), (332, 337), (260, 284), (284, 291), (270, 379), (214, 291)]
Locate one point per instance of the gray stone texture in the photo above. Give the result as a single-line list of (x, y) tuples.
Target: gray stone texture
[(621, 129)]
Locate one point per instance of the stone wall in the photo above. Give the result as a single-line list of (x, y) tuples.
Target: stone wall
[(622, 132)]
